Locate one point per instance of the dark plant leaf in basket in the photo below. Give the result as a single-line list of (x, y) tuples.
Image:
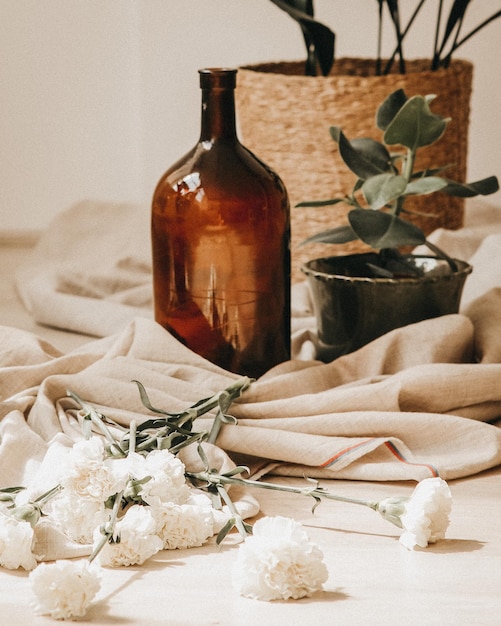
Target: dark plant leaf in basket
[(319, 39)]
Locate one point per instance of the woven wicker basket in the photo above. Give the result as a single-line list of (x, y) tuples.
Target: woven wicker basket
[(285, 117)]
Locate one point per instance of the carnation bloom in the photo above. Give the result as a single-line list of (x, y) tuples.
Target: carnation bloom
[(16, 539), (168, 482), (64, 589), (88, 473), (426, 516), (278, 562), (133, 466), (77, 517), (134, 539), (182, 526)]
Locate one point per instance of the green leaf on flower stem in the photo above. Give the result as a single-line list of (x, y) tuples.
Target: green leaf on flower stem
[(317, 502), (12, 489), (203, 457), (312, 481), (364, 156), (146, 401), (382, 189), (240, 469), (384, 230), (230, 524), (87, 426), (482, 187), (228, 419), (414, 125), (187, 440)]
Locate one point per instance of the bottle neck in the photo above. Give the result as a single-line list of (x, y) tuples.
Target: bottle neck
[(218, 105)]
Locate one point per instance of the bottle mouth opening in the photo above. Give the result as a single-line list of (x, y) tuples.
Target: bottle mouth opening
[(218, 78)]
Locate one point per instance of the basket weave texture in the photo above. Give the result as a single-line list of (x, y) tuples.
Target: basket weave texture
[(284, 118)]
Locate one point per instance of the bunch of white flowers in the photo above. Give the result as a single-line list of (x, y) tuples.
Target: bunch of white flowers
[(129, 508), (145, 490), (126, 497)]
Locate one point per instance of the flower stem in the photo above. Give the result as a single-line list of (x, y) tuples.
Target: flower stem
[(317, 492), (95, 417), (108, 529), (132, 436), (239, 523), (45, 497)]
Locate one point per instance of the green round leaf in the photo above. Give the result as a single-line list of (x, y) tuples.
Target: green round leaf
[(382, 189), (414, 125)]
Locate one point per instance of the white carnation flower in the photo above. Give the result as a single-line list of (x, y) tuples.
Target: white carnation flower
[(426, 516), (278, 562), (168, 482), (135, 539), (219, 516), (88, 473), (77, 517), (133, 466), (16, 539), (182, 526), (64, 589)]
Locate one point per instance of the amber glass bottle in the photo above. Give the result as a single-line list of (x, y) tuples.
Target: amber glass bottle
[(220, 237)]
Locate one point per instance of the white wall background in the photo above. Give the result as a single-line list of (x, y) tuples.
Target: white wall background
[(99, 97)]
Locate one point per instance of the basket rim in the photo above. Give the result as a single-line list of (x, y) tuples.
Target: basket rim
[(419, 65)]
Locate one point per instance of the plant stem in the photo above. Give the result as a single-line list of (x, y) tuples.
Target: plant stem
[(407, 169), (379, 38), (400, 37), (239, 523), (435, 60), (108, 529), (459, 43), (94, 416), (316, 492), (45, 497), (132, 436)]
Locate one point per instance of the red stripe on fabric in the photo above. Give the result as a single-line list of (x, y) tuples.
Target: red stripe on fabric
[(337, 456), (396, 452)]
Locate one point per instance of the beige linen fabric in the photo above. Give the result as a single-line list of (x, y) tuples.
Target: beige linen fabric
[(404, 407), (413, 403), (90, 272)]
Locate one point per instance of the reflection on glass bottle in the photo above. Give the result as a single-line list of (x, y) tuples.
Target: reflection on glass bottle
[(220, 236)]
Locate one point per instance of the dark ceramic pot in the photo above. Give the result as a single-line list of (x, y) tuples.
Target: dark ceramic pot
[(351, 309)]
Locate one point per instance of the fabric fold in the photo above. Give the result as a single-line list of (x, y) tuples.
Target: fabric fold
[(297, 416)]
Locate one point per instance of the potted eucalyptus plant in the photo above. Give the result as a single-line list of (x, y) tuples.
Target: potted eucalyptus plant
[(284, 106), (359, 297)]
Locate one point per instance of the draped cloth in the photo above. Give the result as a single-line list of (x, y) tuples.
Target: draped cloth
[(420, 401)]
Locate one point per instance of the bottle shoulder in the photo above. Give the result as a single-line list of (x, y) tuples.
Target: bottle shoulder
[(219, 166)]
